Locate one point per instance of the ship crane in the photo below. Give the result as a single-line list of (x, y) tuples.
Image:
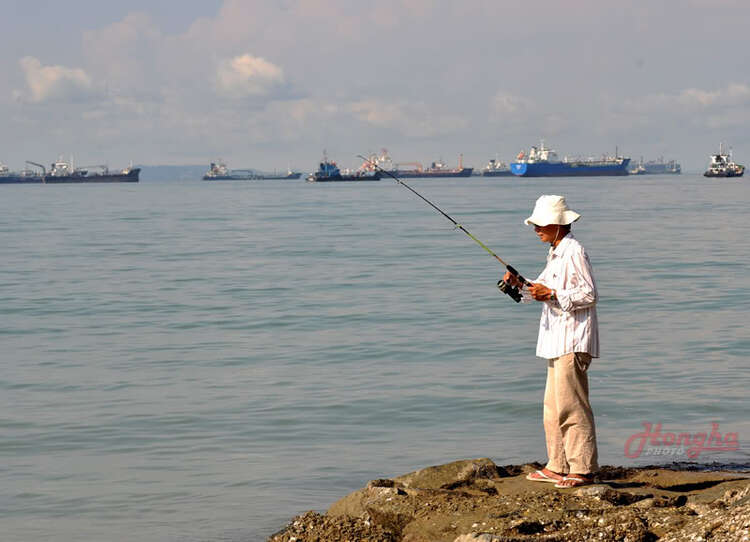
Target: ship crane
[(44, 169)]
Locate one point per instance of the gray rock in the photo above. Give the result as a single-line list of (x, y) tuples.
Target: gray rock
[(592, 491)]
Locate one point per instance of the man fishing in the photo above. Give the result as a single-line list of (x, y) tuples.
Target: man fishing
[(568, 337), (568, 340)]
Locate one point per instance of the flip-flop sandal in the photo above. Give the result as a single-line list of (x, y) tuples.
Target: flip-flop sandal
[(577, 482), (541, 477)]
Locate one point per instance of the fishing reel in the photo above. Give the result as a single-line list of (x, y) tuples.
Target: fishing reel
[(510, 290)]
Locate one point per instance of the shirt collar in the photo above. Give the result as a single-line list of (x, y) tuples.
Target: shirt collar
[(562, 245)]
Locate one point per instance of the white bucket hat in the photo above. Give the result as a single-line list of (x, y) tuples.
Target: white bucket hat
[(551, 210)]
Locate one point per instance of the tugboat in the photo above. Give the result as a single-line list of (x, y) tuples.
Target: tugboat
[(328, 171), (495, 168), (543, 162), (218, 171), (638, 169), (722, 165)]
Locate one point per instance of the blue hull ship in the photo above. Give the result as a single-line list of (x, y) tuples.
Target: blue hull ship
[(543, 162), (329, 172)]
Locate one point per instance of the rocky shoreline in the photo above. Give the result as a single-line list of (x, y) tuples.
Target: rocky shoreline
[(477, 500)]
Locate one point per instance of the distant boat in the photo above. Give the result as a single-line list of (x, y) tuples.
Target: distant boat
[(328, 171), (543, 162), (722, 165), (436, 169), (384, 163), (25, 176), (656, 167), (218, 171), (64, 172), (496, 169)]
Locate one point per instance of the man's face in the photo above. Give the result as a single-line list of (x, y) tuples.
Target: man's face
[(547, 234)]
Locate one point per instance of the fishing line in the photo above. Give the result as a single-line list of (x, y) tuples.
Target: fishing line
[(504, 286)]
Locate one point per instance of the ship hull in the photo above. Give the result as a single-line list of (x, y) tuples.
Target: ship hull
[(724, 174), (130, 177), (569, 169), (502, 173), (427, 174), (342, 178), (660, 169), (20, 179)]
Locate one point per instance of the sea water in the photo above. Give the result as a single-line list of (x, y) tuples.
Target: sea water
[(202, 361)]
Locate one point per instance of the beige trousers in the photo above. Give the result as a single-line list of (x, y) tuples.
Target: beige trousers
[(568, 418)]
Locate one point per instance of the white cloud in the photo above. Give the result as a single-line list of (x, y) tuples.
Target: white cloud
[(247, 75), (692, 100), (505, 104), (411, 119), (56, 83), (127, 54)]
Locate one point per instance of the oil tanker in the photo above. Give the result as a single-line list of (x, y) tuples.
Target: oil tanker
[(64, 172), (416, 169), (543, 162), (218, 171)]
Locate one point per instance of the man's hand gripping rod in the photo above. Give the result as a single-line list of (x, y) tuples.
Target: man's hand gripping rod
[(505, 287)]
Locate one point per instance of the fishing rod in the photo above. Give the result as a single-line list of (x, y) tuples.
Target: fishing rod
[(504, 286)]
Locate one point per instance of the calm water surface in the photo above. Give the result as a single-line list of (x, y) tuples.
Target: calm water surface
[(200, 362)]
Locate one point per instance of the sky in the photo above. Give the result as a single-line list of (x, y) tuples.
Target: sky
[(272, 84)]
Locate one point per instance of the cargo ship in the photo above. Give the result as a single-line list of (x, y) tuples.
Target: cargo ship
[(543, 162), (328, 172), (657, 167), (722, 165), (64, 172), (218, 171), (496, 168)]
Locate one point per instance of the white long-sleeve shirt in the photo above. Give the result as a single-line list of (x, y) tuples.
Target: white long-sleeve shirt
[(568, 324)]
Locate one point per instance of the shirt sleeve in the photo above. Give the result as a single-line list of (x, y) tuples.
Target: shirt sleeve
[(580, 289)]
